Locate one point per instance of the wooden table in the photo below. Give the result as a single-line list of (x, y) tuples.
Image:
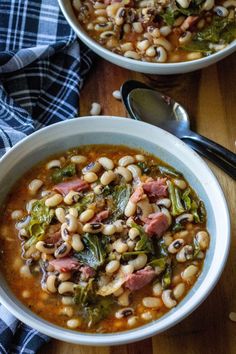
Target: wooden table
[(210, 98)]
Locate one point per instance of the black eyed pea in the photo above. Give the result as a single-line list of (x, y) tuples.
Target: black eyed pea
[(76, 243), (71, 197), (74, 212), (53, 201), (135, 170), (164, 202), (189, 273), (90, 177), (51, 283), (22, 223), (109, 230), (71, 222), (176, 245), (112, 266), (167, 299), (60, 215), (130, 208), (92, 167), (124, 172), (168, 215), (145, 207), (64, 232), (203, 240), (221, 11), (98, 189), (125, 312), (66, 287), (48, 248), (78, 159), (53, 164), (187, 217), (133, 233), (93, 228), (62, 250), (157, 289), (106, 163), (139, 262), (107, 177), (184, 39), (86, 215), (123, 299), (126, 160), (179, 290), (185, 254), (132, 54), (152, 302), (161, 56), (35, 185), (73, 323)]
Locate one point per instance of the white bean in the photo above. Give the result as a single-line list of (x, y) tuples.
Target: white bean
[(73, 323), (152, 302), (135, 170), (157, 289), (60, 215), (124, 172), (132, 321), (95, 109), (189, 272), (53, 164), (34, 186), (167, 299), (203, 240), (71, 197), (76, 243), (90, 177), (164, 202), (108, 230), (107, 177), (139, 262), (208, 5), (183, 3), (74, 212), (54, 200), (133, 233), (66, 287), (78, 159), (112, 266), (86, 215), (161, 55), (175, 246), (126, 160), (64, 276), (163, 42), (120, 246), (130, 208), (50, 282), (140, 158), (71, 222), (132, 55), (185, 254), (119, 225), (146, 316), (179, 290), (123, 299), (67, 300), (116, 94), (106, 163)]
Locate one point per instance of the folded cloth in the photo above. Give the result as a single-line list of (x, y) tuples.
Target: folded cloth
[(42, 66)]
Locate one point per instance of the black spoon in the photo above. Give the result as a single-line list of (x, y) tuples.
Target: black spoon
[(146, 104)]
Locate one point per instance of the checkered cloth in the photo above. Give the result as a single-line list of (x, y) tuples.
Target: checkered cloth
[(42, 66)]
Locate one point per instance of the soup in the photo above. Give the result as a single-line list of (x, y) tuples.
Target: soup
[(159, 30), (102, 238)]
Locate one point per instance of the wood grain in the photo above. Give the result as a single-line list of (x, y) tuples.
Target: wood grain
[(210, 98)]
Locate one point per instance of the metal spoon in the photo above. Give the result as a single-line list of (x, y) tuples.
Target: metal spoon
[(144, 103)]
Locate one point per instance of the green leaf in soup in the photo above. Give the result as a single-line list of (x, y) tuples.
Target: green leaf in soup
[(169, 171), (121, 195), (129, 255), (196, 248), (96, 312), (145, 242), (84, 292), (166, 278), (81, 205), (175, 197), (169, 16), (186, 199), (159, 262), (95, 252), (59, 174), (144, 167), (160, 248)]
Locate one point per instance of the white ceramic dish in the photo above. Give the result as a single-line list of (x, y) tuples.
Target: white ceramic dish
[(113, 130), (136, 65)]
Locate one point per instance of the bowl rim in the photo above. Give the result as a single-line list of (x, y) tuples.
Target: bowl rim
[(83, 35), (105, 124)]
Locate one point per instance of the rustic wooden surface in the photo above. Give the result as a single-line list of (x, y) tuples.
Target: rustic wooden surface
[(210, 98)]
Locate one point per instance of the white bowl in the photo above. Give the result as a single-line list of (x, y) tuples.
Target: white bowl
[(136, 65), (113, 130)]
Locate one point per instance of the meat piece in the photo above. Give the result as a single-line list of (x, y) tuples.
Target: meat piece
[(87, 271), (65, 264), (139, 279), (189, 22), (156, 224), (102, 215), (53, 238), (76, 185), (137, 195), (156, 188)]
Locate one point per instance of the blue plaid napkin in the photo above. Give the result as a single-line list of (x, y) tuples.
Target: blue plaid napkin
[(42, 66)]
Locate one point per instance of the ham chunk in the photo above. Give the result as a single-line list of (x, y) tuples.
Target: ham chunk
[(137, 195), (156, 224), (156, 188), (65, 264), (76, 185), (87, 271), (139, 279), (101, 216)]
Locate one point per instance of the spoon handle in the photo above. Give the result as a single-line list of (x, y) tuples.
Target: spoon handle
[(216, 159), (215, 148)]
